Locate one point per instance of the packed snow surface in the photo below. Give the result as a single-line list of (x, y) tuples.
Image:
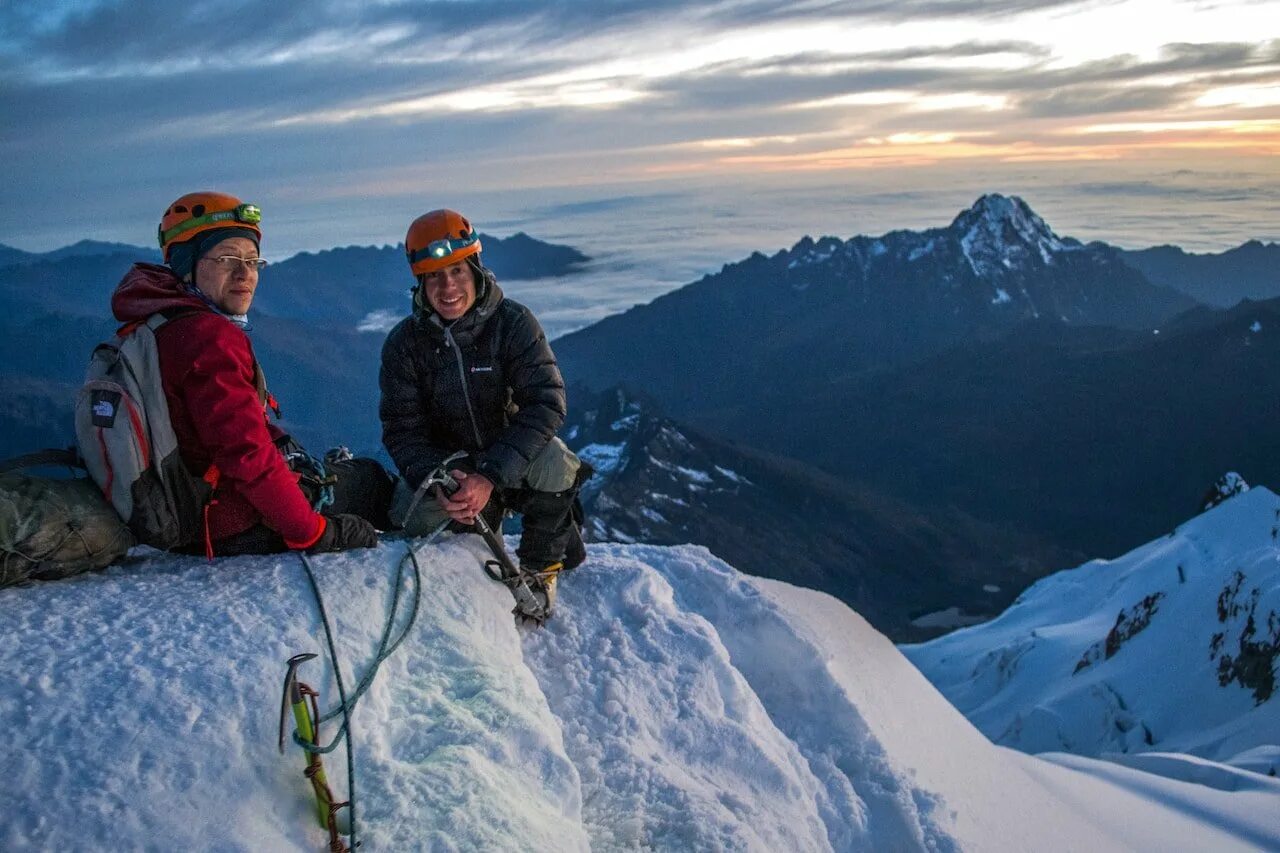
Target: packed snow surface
[(1173, 647), (671, 704)]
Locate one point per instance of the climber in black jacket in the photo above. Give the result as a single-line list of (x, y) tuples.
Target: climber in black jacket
[(470, 370)]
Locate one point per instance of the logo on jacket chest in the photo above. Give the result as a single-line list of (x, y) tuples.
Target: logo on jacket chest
[(476, 368)]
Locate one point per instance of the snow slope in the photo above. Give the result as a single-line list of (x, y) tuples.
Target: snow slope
[(1172, 648), (672, 704)]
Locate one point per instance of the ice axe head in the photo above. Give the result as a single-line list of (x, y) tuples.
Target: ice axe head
[(291, 694), (441, 476)]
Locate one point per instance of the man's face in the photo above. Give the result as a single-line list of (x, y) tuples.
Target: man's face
[(229, 284), (451, 291)]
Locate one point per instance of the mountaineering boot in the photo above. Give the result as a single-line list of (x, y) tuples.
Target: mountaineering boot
[(546, 573)]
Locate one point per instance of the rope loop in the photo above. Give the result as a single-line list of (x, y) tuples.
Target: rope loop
[(387, 644)]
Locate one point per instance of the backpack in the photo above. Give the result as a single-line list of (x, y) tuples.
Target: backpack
[(128, 444), (52, 529)]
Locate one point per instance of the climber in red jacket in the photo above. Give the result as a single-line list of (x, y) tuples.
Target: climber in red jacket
[(218, 399)]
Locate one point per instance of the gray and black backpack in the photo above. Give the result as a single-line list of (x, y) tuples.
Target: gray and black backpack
[(127, 441)]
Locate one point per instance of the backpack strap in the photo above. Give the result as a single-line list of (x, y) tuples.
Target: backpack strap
[(158, 319), (50, 456), (154, 321)]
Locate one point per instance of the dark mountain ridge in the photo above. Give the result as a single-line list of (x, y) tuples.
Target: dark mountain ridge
[(1249, 271), (831, 308), (1096, 439), (662, 482), (10, 256)]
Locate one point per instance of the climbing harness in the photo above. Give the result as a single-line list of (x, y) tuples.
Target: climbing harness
[(312, 473)]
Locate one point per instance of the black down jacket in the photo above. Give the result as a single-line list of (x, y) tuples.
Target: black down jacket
[(487, 384)]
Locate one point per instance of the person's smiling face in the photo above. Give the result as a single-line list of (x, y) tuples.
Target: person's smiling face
[(450, 291)]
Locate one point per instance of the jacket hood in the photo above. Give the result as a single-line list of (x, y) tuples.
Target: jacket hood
[(469, 324), (148, 288)]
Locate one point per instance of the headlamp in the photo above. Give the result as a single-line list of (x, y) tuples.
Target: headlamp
[(443, 248)]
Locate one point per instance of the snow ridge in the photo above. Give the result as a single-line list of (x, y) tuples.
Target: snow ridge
[(672, 704), (1173, 647)]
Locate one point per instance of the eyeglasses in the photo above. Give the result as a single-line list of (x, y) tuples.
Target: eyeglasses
[(443, 248), (232, 262), (247, 213)]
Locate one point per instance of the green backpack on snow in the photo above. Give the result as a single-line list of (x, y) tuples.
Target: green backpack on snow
[(52, 529)]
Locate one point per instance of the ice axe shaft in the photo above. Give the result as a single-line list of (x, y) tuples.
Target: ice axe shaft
[(528, 603), (497, 546)]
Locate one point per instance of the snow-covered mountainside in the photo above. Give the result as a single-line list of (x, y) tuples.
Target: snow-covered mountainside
[(1173, 647), (672, 704)]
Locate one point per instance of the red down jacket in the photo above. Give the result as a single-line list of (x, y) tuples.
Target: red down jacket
[(208, 370)]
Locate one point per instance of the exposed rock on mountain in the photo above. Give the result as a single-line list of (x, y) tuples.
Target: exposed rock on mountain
[(1188, 665), (659, 481)]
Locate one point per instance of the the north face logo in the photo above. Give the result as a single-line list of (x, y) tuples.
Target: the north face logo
[(103, 407)]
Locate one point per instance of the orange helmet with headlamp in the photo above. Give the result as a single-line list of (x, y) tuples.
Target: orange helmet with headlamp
[(439, 239), (198, 212)]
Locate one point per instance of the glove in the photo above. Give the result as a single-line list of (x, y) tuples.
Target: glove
[(345, 531)]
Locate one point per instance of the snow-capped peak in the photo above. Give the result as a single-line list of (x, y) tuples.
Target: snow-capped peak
[(1004, 231)]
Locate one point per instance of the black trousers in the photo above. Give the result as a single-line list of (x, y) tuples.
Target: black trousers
[(363, 488)]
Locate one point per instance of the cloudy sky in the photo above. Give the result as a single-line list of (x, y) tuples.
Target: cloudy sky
[(345, 118)]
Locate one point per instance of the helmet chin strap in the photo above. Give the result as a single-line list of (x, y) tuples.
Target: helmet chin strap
[(477, 274)]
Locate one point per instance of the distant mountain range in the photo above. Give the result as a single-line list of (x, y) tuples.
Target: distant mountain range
[(833, 308), (10, 256), (333, 287), (1025, 379), (55, 307), (1249, 271)]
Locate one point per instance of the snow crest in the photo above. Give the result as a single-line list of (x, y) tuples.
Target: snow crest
[(1000, 231), (671, 704), (1172, 647)]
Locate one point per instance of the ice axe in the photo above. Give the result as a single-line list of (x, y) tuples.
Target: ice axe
[(527, 588), (300, 696)]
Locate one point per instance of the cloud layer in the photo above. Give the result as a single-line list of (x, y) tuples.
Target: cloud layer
[(112, 108)]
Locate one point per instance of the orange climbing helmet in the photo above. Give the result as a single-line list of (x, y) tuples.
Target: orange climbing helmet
[(439, 239), (198, 212)]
